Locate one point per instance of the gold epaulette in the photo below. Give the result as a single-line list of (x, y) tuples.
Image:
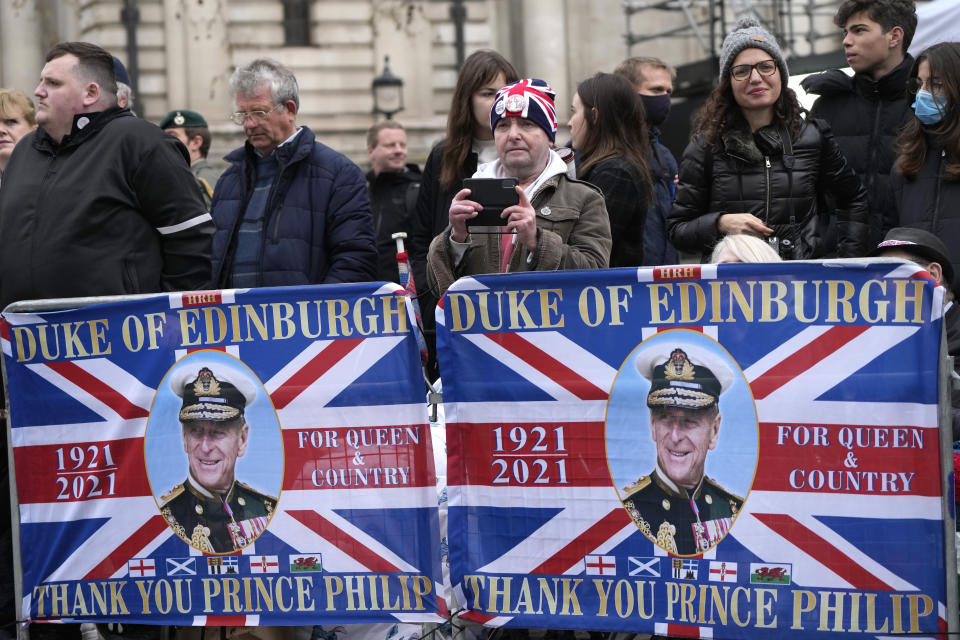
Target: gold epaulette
[(717, 486), (263, 495), (642, 483), (173, 493)]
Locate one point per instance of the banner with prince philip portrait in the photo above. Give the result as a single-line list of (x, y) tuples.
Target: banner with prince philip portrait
[(714, 451), (238, 458)]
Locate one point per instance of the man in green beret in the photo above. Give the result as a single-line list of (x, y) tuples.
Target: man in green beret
[(191, 129), (677, 506), (211, 510)]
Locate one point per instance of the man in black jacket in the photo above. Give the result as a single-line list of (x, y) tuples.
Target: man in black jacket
[(867, 111), (394, 186), (97, 202)]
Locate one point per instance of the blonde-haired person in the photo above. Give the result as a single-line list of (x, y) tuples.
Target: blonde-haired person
[(17, 119), (743, 247)]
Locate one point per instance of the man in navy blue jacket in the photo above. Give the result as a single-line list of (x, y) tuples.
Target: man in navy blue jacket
[(289, 210)]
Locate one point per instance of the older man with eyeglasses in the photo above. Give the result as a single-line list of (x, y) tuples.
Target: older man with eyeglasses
[(289, 210)]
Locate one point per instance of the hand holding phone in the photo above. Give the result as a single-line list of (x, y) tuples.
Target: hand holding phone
[(494, 195)]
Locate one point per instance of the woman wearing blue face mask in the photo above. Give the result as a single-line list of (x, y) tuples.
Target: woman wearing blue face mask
[(927, 177)]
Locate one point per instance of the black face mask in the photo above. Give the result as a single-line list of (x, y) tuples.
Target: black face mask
[(657, 108)]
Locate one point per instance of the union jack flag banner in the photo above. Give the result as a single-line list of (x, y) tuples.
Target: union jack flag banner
[(714, 451), (256, 457)]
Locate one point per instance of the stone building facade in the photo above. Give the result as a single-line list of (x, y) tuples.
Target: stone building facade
[(186, 50)]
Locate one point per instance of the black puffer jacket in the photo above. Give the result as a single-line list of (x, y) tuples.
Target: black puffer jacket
[(930, 200), (781, 184), (867, 116)]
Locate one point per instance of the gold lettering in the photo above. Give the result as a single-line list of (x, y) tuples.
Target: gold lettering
[(913, 601), (484, 303), (144, 587), (365, 329), (617, 302), (334, 587), (304, 599), (904, 297), (603, 591), (827, 607), (766, 598), (518, 309), (461, 311), (26, 348), (881, 305), (735, 607), (837, 299), (548, 308), (598, 304), (772, 293), (803, 602), (214, 325), (659, 300)]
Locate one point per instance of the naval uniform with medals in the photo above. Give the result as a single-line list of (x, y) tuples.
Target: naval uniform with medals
[(683, 521), (214, 524), (680, 520)]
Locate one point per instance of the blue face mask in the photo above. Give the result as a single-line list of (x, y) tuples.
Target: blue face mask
[(928, 108)]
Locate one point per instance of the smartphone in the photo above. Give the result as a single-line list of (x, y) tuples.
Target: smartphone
[(495, 194)]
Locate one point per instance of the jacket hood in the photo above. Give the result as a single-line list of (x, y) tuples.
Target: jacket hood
[(828, 82), (835, 81)]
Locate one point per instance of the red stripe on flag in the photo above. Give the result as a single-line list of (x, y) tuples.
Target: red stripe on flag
[(809, 355), (697, 329), (195, 349), (682, 631), (5, 330), (226, 621), (201, 298), (687, 272), (475, 616), (822, 551), (343, 541), (549, 366), (308, 374), (128, 548), (98, 389), (585, 543)]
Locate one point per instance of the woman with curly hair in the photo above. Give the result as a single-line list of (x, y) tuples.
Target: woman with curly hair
[(926, 180), (608, 128), (756, 165)]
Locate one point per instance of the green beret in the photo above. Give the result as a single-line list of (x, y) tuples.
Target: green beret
[(182, 118)]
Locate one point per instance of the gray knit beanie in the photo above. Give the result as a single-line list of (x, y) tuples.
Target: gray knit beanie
[(749, 34)]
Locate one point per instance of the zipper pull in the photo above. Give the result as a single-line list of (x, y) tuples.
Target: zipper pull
[(766, 160)]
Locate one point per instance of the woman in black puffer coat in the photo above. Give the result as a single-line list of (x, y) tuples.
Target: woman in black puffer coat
[(926, 182), (756, 166)]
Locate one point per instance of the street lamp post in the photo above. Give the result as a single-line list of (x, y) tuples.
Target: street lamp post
[(387, 91)]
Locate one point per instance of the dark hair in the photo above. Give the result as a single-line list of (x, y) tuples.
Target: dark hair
[(615, 124), (94, 64), (944, 61), (721, 112), (373, 133), (887, 13), (478, 69), (204, 133), (632, 69)]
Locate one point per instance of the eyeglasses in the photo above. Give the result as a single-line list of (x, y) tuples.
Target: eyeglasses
[(743, 71), (239, 117), (933, 85)]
